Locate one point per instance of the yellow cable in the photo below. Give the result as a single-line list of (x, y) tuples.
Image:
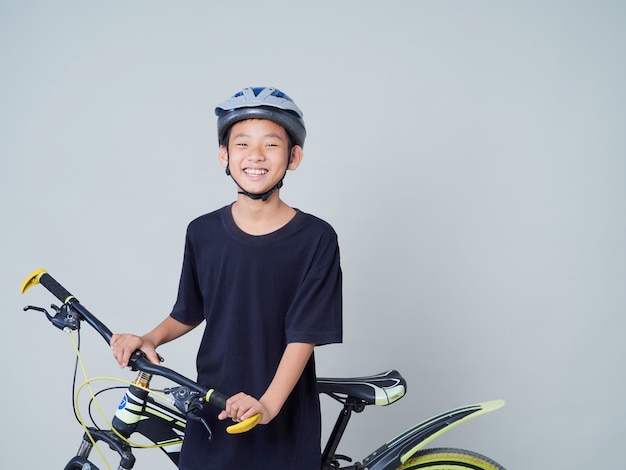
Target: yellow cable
[(87, 383), (80, 419)]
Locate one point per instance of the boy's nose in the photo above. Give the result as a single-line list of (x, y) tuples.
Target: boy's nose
[(256, 154)]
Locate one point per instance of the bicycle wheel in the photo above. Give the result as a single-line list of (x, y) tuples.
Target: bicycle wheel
[(450, 459), (80, 463)]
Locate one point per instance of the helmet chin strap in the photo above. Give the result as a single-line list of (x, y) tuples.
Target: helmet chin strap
[(256, 196)]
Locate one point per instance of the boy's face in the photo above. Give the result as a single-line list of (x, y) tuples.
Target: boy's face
[(258, 154)]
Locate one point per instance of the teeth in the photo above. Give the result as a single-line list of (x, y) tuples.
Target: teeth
[(255, 171)]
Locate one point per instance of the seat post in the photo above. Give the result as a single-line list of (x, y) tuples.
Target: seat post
[(337, 433)]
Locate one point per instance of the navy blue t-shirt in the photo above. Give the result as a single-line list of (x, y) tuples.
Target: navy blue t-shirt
[(257, 294)]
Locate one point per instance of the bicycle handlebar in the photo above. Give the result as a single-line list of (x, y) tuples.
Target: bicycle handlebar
[(42, 277), (138, 360)]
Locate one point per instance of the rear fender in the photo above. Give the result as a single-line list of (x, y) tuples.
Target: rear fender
[(400, 449)]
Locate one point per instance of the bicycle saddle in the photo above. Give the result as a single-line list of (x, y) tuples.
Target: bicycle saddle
[(380, 389)]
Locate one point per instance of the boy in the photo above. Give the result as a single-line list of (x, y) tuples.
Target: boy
[(266, 279)]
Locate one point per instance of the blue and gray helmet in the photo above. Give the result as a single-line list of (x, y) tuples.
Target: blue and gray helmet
[(261, 103)]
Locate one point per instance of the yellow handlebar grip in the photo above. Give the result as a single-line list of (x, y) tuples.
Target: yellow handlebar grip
[(32, 280), (245, 425)]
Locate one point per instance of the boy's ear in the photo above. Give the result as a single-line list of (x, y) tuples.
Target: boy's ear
[(297, 154), (223, 156)]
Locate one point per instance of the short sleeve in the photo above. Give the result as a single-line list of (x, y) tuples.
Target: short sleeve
[(315, 314), (188, 308)]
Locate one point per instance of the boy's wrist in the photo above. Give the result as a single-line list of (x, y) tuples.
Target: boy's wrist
[(271, 405), (147, 340)]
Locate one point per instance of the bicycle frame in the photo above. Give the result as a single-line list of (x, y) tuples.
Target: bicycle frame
[(138, 413), (163, 423), (157, 420)]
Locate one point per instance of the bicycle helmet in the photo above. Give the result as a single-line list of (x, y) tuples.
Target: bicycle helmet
[(261, 103)]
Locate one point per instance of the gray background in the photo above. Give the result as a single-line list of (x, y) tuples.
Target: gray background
[(470, 155)]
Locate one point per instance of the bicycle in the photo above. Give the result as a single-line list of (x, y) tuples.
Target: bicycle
[(161, 416)]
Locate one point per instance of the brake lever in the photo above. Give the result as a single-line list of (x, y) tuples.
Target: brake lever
[(193, 416), (64, 318), (186, 400), (189, 402)]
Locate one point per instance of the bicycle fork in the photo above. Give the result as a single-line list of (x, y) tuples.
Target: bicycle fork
[(81, 460)]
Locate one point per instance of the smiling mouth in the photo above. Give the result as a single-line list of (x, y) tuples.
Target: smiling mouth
[(255, 171)]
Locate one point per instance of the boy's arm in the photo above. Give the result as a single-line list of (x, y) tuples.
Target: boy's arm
[(289, 370), (124, 345), (292, 363)]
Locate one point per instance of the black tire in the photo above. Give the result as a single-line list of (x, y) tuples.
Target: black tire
[(78, 463), (450, 459)]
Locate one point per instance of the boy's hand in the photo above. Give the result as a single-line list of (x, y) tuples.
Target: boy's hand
[(124, 345), (240, 407)]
